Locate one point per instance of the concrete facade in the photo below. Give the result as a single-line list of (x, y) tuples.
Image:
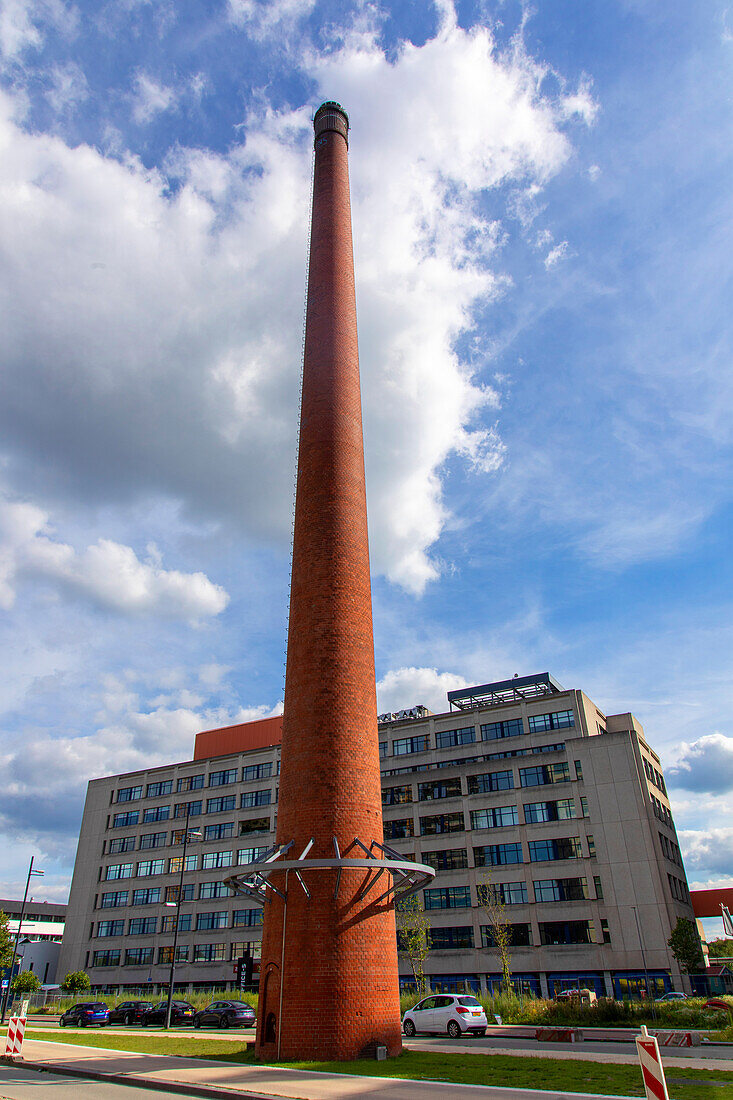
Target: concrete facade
[(464, 787)]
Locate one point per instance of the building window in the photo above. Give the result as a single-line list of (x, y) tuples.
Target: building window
[(559, 933), (217, 859), (583, 806), (142, 926), (213, 890), (118, 870), (171, 892), (442, 823), (159, 789), (153, 840), (249, 855), (190, 783), (151, 896), (439, 788), (206, 921), (447, 859), (544, 773), (399, 830), (557, 720), (121, 821), (605, 930), (256, 798), (256, 771), (591, 846), (396, 796), (254, 825), (449, 739), (188, 809), (494, 731), (121, 844), (499, 817), (561, 889), (562, 848), (148, 867), (383, 749), (490, 781), (209, 952), (247, 918), (106, 958), (223, 778), (520, 935), (448, 897), (598, 887), (114, 899), (224, 804), (174, 864), (497, 855), (110, 928), (129, 794), (447, 939), (511, 893), (240, 947), (168, 924), (156, 813), (219, 832), (406, 745), (138, 956), (165, 954), (578, 770), (537, 812)]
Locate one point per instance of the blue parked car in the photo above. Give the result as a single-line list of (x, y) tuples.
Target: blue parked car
[(86, 1014)]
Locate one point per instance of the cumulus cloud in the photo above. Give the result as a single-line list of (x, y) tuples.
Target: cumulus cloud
[(170, 313), (107, 573), (708, 852), (704, 765), (264, 17), (22, 23), (402, 688)]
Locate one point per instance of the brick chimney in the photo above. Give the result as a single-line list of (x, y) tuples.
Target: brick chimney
[(328, 984)]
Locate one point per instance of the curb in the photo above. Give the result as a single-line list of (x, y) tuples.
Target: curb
[(152, 1083)]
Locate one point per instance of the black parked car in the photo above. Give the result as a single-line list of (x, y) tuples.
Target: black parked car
[(85, 1014), (129, 1012), (226, 1014), (181, 1013)]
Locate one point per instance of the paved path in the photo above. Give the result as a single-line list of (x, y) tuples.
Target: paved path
[(26, 1084), (272, 1082)]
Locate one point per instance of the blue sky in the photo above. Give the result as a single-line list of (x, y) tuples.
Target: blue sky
[(542, 230)]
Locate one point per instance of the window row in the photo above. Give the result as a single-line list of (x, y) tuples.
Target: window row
[(678, 889), (670, 849), (654, 776), (201, 952), (661, 811), (463, 761), (491, 731), (482, 783), (221, 778), (512, 893), (495, 817)]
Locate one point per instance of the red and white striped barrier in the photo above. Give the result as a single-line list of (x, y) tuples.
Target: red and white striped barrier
[(678, 1038), (14, 1044), (652, 1070)]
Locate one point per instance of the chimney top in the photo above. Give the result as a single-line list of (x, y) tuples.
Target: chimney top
[(331, 116)]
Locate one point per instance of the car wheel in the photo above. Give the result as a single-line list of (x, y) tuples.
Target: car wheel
[(454, 1029), (409, 1028), (196, 1022), (224, 1022), (83, 1023), (129, 1019), (62, 1023)]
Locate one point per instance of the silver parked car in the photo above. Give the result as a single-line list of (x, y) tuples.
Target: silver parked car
[(446, 1014)]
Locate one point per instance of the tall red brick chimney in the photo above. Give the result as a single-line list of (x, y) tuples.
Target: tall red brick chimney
[(328, 985)]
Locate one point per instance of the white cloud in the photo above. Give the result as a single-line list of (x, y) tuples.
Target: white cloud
[(704, 765), (402, 688), (150, 99), (556, 254), (22, 22), (68, 87), (262, 18), (107, 573), (709, 851), (176, 314)]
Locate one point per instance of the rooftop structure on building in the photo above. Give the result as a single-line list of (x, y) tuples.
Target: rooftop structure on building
[(563, 805)]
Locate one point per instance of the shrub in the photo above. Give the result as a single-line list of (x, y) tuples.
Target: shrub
[(76, 981), (27, 982)]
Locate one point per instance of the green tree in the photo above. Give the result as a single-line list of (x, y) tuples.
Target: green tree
[(412, 936), (684, 944), (6, 942), (27, 982), (721, 949), (499, 927), (76, 981)]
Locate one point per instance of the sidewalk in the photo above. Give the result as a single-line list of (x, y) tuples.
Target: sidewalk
[(217, 1079)]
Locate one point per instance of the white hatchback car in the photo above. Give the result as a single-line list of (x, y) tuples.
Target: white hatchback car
[(447, 1014)]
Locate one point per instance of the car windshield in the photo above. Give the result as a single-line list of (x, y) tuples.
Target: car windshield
[(238, 1004), (469, 1001)]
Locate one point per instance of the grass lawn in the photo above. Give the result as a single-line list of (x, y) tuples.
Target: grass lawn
[(468, 1069)]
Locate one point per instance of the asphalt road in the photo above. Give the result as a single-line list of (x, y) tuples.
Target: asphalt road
[(28, 1084)]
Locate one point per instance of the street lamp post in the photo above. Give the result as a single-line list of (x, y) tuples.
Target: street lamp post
[(186, 834), (643, 961), (6, 992)]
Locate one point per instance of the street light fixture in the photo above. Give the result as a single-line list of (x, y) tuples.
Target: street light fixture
[(193, 834), (6, 992)]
